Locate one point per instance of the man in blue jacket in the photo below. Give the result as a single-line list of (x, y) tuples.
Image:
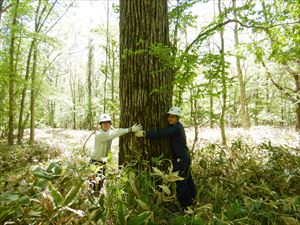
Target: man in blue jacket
[(185, 189)]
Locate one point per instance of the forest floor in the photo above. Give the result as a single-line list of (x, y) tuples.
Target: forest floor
[(70, 142), (260, 186)]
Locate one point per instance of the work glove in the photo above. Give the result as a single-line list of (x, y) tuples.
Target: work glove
[(136, 127), (140, 133)]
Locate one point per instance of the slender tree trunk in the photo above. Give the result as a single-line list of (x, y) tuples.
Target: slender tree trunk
[(242, 85), (22, 104), (90, 121), (211, 103), (223, 77), (53, 107), (195, 118), (113, 114), (12, 75), (73, 96), (107, 47), (298, 116), (33, 96), (297, 81), (145, 80), (256, 100)]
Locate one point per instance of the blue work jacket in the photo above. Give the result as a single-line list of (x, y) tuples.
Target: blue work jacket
[(177, 137)]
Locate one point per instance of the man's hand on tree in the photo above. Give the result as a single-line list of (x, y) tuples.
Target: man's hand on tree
[(135, 128)]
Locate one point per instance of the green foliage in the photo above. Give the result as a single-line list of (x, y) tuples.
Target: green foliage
[(181, 16), (236, 185), (249, 185)]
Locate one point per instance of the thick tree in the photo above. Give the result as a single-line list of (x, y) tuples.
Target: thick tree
[(145, 78)]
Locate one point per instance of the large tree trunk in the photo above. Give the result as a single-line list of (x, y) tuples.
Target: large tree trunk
[(242, 85), (145, 81)]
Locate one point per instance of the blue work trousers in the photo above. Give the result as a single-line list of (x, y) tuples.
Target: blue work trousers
[(186, 190)]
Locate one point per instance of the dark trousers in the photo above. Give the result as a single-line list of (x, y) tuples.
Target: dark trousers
[(185, 189)]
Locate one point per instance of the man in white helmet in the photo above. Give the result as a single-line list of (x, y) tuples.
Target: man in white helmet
[(102, 144), (105, 135), (185, 189)]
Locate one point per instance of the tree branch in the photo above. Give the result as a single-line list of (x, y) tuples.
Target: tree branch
[(5, 9), (280, 88)]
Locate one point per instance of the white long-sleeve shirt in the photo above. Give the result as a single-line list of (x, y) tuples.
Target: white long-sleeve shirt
[(102, 142)]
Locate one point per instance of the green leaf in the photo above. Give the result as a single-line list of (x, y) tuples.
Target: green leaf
[(5, 213), (121, 214), (10, 197), (179, 220), (72, 193), (233, 210), (32, 213), (142, 204), (24, 200), (165, 189), (56, 195), (290, 220), (157, 172), (140, 219), (39, 172)]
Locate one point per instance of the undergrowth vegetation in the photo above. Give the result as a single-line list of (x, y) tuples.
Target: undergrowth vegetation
[(239, 184)]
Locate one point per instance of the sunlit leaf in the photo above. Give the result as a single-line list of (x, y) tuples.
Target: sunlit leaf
[(165, 189), (10, 197), (73, 193), (56, 195), (157, 172), (143, 205)]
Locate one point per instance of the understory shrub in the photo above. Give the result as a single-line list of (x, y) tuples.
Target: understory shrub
[(239, 184)]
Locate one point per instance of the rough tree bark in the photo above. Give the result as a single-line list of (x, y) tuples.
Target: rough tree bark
[(145, 80)]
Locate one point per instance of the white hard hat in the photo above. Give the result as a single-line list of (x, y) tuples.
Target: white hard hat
[(175, 111), (105, 118)]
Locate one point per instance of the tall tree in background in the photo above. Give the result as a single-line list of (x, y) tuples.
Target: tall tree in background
[(24, 90), (42, 13), (107, 47), (89, 119), (242, 85), (73, 88), (12, 73), (145, 80), (284, 43), (223, 79)]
